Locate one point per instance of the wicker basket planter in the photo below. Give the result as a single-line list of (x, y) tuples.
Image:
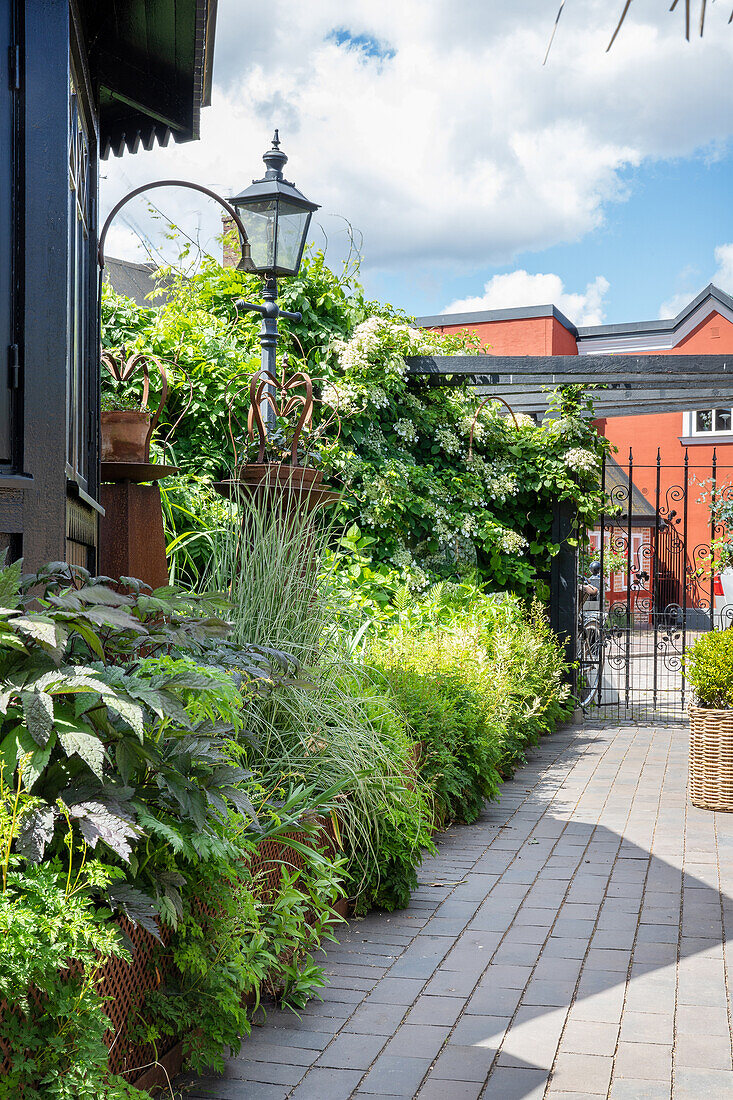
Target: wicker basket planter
[(711, 758)]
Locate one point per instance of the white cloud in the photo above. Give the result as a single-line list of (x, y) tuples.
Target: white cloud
[(458, 150), (675, 304), (722, 277), (519, 288)]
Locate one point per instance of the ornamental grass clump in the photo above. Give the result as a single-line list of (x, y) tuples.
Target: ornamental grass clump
[(708, 668), (332, 725)]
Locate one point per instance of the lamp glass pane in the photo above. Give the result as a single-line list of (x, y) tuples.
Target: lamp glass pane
[(259, 220), (292, 228)]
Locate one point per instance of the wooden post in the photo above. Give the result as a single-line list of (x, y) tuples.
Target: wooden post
[(564, 584)]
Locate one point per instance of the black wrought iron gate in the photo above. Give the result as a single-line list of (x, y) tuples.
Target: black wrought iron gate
[(648, 586)]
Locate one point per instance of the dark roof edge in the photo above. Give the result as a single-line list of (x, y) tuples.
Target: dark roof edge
[(517, 313), (209, 41), (670, 324), (149, 266)]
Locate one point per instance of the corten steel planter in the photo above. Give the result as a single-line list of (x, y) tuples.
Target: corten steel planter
[(267, 474), (132, 538), (126, 435), (711, 758)]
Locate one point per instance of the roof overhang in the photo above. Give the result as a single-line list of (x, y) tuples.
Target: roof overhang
[(492, 316), (651, 336), (150, 63)]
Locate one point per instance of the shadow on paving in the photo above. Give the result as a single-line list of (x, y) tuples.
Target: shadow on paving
[(519, 917)]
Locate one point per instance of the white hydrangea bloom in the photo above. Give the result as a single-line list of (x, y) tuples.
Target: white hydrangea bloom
[(581, 460), (511, 542), (448, 440), (407, 430)]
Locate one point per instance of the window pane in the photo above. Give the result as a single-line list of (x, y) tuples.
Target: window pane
[(704, 421), (291, 226), (259, 223), (722, 420)]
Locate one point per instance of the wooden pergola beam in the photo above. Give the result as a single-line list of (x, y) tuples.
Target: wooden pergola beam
[(622, 385)]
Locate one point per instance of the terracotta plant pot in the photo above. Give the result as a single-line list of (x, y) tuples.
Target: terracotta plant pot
[(277, 473), (125, 435)]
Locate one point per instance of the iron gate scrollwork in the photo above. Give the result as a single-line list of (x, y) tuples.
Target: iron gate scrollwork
[(649, 586)]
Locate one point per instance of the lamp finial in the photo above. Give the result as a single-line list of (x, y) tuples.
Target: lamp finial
[(275, 160)]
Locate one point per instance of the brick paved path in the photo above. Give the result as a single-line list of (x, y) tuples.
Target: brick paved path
[(554, 949)]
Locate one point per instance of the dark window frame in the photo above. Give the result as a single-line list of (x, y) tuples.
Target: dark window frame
[(82, 356)]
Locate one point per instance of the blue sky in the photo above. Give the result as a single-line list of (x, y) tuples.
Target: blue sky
[(654, 247), (474, 176)]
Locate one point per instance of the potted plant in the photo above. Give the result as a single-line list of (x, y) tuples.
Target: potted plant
[(708, 668), (275, 464), (278, 454), (127, 424), (125, 429)]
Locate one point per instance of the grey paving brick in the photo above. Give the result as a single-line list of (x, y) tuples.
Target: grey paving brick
[(493, 1002), (453, 983), (376, 1019), (585, 1073), (463, 1063), (396, 991), (551, 992), (562, 948), (279, 1052), (395, 1075), (708, 1051), (627, 1089), (418, 1041), (589, 1037), (351, 1050), (459, 1090), (643, 1061), (696, 1084), (504, 976), (647, 1027), (210, 1088), (270, 1073), (435, 1010), (691, 1020), (483, 1031), (515, 1084), (325, 1084)]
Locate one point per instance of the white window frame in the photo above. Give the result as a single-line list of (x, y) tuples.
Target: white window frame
[(690, 431)]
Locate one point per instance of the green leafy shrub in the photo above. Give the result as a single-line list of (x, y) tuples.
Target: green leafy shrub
[(54, 945), (446, 713), (110, 737), (477, 685), (114, 401), (708, 667), (238, 940), (402, 454)]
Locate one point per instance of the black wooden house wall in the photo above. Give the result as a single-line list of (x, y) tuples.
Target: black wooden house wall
[(68, 91)]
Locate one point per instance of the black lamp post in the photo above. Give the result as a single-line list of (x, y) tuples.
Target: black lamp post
[(276, 217), (272, 218)]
